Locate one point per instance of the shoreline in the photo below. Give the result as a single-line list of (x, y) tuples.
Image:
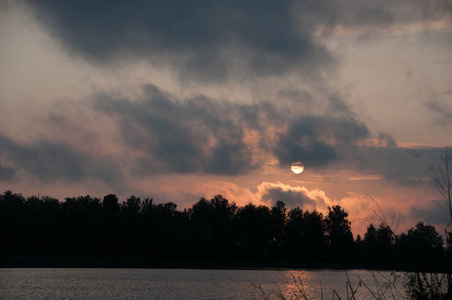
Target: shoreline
[(81, 262)]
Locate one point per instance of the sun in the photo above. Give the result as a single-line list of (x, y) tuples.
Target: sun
[(297, 167)]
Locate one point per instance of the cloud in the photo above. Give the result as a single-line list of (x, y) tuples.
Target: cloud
[(313, 139), (159, 133), (171, 135), (292, 196), (366, 19), (122, 139), (202, 135), (395, 164), (164, 134), (217, 40), (206, 39), (435, 213), (6, 173), (440, 109), (386, 140), (51, 161)]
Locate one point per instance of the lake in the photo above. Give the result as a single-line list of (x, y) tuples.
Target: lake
[(183, 283)]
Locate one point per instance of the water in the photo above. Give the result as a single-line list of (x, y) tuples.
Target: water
[(180, 283)]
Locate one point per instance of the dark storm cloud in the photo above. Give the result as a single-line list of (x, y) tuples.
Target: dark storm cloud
[(194, 135), (201, 38), (436, 213), (53, 161), (206, 39), (292, 198), (314, 139), (6, 173), (159, 133), (400, 165), (296, 95), (373, 15), (336, 106), (200, 135)]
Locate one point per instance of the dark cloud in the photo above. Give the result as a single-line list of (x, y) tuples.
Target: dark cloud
[(201, 135), (386, 140), (53, 161), (440, 109), (314, 139), (201, 38), (296, 95), (159, 133), (369, 16), (336, 106), (193, 135), (292, 198), (436, 213), (6, 173), (207, 39), (340, 142), (400, 165)]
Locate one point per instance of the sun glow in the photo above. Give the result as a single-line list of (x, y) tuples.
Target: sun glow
[(297, 167)]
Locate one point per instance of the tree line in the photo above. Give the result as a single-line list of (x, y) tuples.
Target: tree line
[(214, 230)]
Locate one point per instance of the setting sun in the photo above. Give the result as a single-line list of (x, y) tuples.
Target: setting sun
[(297, 167)]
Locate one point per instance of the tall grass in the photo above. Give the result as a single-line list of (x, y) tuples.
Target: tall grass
[(428, 286), (411, 286)]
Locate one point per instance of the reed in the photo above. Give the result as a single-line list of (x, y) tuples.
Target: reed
[(414, 286)]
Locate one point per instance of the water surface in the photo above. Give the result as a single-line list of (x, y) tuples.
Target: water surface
[(180, 283)]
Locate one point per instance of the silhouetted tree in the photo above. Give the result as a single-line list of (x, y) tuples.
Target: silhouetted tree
[(359, 244), (378, 244), (421, 247), (82, 216), (315, 234), (252, 231), (385, 242), (277, 226), (295, 234), (305, 234), (339, 234), (131, 229), (110, 204), (110, 226), (214, 229), (11, 222), (131, 208), (370, 242), (211, 224), (169, 230), (52, 219), (164, 231), (33, 225)]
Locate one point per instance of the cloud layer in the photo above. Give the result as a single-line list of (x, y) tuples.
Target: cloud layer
[(181, 98), (207, 136), (158, 133), (52, 162), (214, 39), (207, 39)]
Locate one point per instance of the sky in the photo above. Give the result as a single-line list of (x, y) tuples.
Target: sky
[(177, 100)]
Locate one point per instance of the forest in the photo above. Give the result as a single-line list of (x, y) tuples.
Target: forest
[(85, 231)]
